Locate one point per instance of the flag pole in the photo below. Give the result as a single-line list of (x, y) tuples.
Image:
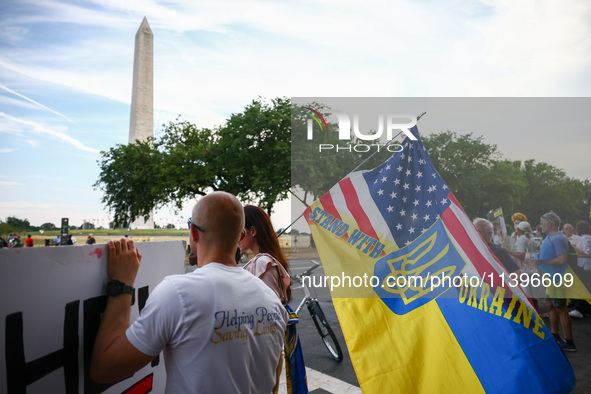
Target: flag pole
[(353, 170)]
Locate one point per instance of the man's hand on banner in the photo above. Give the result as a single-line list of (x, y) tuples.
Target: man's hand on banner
[(123, 260)]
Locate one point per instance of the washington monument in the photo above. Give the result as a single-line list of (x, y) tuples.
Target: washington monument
[(141, 124)]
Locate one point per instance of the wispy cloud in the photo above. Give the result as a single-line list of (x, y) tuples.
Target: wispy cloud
[(34, 102), (60, 12), (9, 183), (44, 130), (7, 150), (396, 48)]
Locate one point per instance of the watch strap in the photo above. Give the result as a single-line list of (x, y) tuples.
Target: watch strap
[(116, 287)]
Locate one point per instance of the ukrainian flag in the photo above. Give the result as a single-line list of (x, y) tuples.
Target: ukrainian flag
[(436, 312)]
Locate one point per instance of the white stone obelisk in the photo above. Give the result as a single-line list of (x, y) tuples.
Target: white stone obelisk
[(141, 124)]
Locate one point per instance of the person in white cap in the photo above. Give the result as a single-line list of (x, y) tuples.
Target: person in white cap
[(524, 249), (524, 243)]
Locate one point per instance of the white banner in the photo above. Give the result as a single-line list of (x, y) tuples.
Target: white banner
[(51, 300)]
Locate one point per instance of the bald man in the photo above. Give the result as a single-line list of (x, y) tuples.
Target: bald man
[(220, 327)]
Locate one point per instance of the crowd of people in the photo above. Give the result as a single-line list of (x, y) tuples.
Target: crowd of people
[(14, 241), (548, 249)]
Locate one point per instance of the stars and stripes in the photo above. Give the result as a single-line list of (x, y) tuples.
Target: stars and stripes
[(419, 194)]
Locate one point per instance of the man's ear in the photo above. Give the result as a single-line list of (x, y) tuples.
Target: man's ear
[(194, 233)]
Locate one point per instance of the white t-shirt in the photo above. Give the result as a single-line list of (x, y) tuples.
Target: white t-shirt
[(221, 329), (585, 246), (574, 239), (525, 244)]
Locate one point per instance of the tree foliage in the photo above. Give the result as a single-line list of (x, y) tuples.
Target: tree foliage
[(248, 157), (252, 153), (464, 163), (549, 189), (481, 180), (130, 179), (17, 224), (5, 228), (48, 226), (313, 172)]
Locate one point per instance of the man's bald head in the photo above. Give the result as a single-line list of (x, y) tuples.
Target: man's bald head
[(222, 217)]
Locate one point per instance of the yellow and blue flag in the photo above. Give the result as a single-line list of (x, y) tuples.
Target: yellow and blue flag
[(423, 303)]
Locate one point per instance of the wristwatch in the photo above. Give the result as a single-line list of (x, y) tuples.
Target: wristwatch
[(116, 287)]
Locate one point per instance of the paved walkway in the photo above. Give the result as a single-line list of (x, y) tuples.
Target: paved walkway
[(581, 359), (321, 383)]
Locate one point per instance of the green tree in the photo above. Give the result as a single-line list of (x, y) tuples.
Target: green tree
[(585, 205), (550, 189), (476, 174), (464, 163), (186, 167), (506, 187), (48, 226), (6, 228), (252, 153), (481, 180), (130, 177), (18, 224), (249, 157)]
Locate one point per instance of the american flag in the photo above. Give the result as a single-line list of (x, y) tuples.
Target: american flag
[(408, 192)]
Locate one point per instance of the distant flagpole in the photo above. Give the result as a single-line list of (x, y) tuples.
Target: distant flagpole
[(353, 170)]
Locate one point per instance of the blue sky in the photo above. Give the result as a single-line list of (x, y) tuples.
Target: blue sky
[(66, 72)]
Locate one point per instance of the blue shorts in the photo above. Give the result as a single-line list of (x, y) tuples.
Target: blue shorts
[(556, 302)]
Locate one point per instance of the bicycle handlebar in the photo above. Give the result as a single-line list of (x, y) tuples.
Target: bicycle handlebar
[(308, 271)]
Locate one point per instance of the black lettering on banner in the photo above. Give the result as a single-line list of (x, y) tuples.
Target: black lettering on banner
[(20, 373), (93, 309)]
